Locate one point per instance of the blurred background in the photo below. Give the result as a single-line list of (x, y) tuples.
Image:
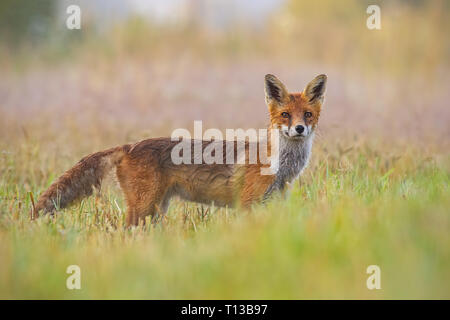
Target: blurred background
[(376, 190), (141, 68)]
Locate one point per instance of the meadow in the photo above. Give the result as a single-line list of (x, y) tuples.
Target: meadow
[(375, 193)]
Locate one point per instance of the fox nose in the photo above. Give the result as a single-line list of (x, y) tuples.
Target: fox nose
[(299, 128)]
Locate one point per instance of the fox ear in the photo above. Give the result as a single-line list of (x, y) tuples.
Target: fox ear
[(315, 90), (275, 90)]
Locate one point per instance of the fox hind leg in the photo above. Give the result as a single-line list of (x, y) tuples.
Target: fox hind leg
[(144, 192), (161, 208), (150, 203)]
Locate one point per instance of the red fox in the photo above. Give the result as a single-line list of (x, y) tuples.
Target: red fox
[(149, 178)]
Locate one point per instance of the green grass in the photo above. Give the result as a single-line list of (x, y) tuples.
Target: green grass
[(353, 209)]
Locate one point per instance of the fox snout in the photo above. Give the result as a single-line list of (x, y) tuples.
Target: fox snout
[(302, 130), (298, 130)]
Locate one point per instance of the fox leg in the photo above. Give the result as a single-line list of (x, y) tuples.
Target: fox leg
[(161, 208), (254, 187), (148, 201), (143, 188)]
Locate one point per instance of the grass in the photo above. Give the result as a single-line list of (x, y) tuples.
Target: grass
[(353, 208)]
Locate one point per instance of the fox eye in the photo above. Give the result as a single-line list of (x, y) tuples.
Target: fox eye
[(285, 115), (308, 114)]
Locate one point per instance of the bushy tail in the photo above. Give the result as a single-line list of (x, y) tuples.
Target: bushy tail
[(79, 181)]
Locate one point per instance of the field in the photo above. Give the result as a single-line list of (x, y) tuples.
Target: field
[(375, 193)]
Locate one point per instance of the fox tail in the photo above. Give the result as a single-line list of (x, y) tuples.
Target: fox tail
[(80, 181)]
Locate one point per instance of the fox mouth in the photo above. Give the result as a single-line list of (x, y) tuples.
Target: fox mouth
[(295, 136)]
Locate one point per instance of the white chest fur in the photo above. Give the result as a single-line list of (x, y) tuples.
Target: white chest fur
[(293, 158)]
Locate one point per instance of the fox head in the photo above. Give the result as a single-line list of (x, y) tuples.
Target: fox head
[(295, 114)]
